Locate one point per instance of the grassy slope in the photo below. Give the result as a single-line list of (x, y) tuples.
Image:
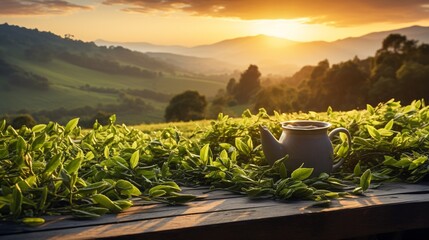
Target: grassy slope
[(66, 79), (61, 73)]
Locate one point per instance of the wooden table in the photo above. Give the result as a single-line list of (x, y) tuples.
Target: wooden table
[(222, 215)]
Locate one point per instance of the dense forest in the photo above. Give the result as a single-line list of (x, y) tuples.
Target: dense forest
[(399, 70)]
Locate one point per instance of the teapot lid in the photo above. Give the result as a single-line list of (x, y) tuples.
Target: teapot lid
[(305, 125)]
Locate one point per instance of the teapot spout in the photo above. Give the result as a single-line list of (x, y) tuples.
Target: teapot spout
[(272, 148)]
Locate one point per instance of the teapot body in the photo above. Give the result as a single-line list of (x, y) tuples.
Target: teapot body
[(312, 149), (307, 143)]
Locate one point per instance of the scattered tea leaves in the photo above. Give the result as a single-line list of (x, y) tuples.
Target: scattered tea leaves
[(54, 169)]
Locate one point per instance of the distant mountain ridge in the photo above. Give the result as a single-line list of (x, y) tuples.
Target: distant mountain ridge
[(277, 55)]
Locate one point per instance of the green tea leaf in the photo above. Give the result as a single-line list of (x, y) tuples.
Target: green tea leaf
[(365, 180), (168, 188), (357, 170), (104, 201), (283, 171), (43, 198), (242, 147), (343, 137), (124, 204), (389, 125), (157, 193), (2, 125), (370, 109), (17, 199), (123, 184), (373, 132), (178, 198), (417, 162), (357, 191), (32, 221), (38, 128), (94, 187), (53, 164), (38, 142), (205, 154), (302, 173), (112, 119), (74, 165), (21, 145), (106, 152), (71, 125), (134, 160)]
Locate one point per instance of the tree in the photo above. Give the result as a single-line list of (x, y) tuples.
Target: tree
[(230, 87), (412, 80), (272, 98), (187, 106), (346, 86), (393, 42), (23, 120), (248, 85)]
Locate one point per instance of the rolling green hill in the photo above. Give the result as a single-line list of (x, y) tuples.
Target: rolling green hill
[(41, 73)]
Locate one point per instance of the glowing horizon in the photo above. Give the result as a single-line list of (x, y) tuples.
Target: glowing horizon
[(196, 22)]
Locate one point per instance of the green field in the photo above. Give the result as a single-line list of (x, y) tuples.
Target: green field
[(68, 65), (66, 79)]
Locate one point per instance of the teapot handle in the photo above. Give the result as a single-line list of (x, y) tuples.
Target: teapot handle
[(349, 140)]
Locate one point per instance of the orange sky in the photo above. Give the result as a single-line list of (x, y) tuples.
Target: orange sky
[(193, 22)]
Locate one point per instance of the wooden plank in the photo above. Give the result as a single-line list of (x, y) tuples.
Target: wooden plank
[(347, 218), (398, 188), (155, 211), (145, 212)]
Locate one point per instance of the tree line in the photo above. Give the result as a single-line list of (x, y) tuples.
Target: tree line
[(143, 93), (128, 104), (17, 77), (399, 70), (104, 65)]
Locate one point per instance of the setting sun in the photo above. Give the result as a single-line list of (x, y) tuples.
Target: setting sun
[(290, 29)]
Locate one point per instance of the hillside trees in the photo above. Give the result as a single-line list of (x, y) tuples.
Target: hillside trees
[(413, 79), (104, 65), (187, 106), (343, 85), (23, 120), (39, 54), (17, 77), (399, 69), (248, 84), (235, 93)]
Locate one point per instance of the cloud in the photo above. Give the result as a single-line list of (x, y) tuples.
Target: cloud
[(336, 12), (37, 7)]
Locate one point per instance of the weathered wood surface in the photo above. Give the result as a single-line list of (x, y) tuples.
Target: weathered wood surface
[(222, 215)]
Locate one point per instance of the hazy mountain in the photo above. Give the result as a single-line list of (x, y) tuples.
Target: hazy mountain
[(277, 55), (144, 46), (178, 56), (366, 45), (194, 64)]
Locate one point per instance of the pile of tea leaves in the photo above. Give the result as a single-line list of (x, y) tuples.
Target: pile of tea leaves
[(52, 169)]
